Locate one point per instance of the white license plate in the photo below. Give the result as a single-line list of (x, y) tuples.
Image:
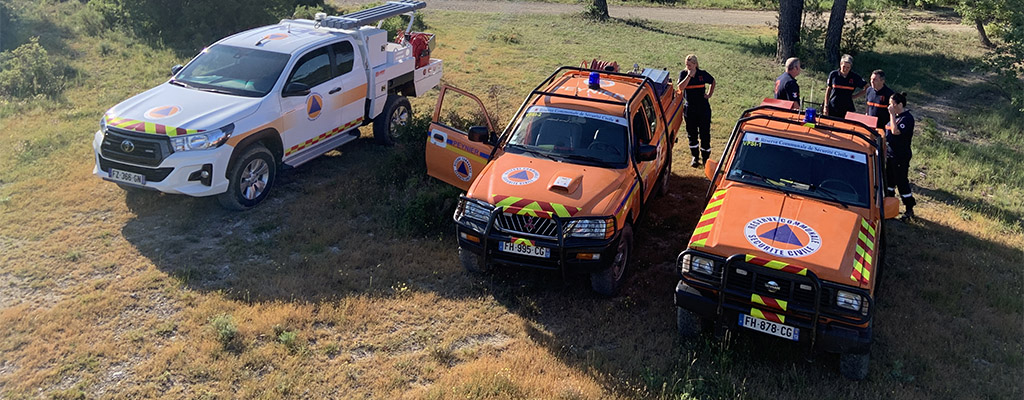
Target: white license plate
[(127, 177), (769, 327), (525, 249)]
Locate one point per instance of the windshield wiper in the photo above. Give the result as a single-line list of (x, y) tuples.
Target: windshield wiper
[(214, 90), (182, 84), (532, 151), (757, 175), (581, 157)]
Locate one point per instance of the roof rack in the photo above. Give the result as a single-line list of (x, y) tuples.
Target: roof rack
[(370, 15)]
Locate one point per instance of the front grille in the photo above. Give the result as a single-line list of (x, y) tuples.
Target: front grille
[(756, 281), (528, 225), (152, 174), (147, 150)]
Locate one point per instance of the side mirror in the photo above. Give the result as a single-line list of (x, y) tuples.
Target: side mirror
[(479, 134), (295, 89), (710, 167), (647, 152), (890, 207), (175, 69)]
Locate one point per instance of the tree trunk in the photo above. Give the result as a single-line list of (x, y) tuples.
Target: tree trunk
[(790, 12), (834, 33), (981, 33), (600, 10)]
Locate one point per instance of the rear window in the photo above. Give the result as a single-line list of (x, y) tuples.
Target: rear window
[(814, 170)]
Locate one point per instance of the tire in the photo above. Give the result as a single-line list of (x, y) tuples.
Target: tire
[(607, 281), (854, 366), (250, 179), (688, 324), (471, 262), (663, 179), (387, 127)]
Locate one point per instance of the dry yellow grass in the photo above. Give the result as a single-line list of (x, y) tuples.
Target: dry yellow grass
[(109, 294)]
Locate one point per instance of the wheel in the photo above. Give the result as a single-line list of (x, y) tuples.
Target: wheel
[(854, 366), (471, 262), (607, 281), (688, 324), (666, 173), (396, 115), (250, 179)]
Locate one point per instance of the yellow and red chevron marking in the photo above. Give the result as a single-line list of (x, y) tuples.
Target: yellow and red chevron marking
[(707, 219), (535, 208), (323, 136), (148, 127), (768, 301), (862, 259), (777, 265), (768, 315), (527, 242)]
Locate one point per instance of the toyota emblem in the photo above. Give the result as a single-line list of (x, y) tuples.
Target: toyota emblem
[(127, 146), (772, 286)]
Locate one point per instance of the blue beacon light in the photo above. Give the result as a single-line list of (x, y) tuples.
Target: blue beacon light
[(594, 82), (810, 116)]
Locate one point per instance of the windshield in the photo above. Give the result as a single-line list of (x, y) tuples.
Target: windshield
[(233, 70), (574, 136), (823, 172)]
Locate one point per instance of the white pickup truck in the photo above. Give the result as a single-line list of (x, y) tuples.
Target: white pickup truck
[(273, 96)]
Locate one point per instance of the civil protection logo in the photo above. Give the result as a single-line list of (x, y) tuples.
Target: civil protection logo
[(782, 237), (314, 105), (162, 112), (463, 169), (519, 176)]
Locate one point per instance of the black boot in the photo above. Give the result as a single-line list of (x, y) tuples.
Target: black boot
[(908, 214), (695, 162)]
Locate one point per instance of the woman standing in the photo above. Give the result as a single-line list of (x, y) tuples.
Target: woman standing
[(697, 113), (898, 153)]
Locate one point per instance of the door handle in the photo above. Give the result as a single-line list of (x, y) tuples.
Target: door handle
[(438, 137), (335, 90)]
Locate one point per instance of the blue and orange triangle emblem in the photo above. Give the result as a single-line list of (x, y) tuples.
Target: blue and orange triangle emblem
[(782, 234)]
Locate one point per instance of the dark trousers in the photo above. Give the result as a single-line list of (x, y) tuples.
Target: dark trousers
[(839, 111), (896, 172), (698, 126)]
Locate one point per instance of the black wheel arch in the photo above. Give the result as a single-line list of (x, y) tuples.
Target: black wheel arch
[(270, 139)]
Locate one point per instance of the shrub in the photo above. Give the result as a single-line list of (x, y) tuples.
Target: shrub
[(28, 71), (225, 328)]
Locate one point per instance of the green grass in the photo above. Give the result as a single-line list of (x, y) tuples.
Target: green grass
[(345, 283)]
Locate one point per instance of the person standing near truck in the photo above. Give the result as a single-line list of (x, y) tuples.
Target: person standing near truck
[(878, 96), (842, 87), (898, 138), (697, 113), (786, 87)]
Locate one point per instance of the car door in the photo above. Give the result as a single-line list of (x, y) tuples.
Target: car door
[(648, 129), (349, 94), (451, 156), (308, 116)]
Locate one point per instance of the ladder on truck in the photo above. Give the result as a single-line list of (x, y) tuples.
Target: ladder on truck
[(376, 14)]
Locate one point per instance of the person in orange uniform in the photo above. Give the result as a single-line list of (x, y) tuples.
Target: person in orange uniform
[(842, 87), (786, 87), (878, 96), (897, 162), (697, 113)]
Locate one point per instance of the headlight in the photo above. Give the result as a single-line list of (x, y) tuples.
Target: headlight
[(697, 264), (103, 124), (848, 300), (202, 141), (590, 228), (473, 214)]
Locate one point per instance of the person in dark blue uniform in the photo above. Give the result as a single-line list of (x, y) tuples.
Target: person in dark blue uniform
[(878, 96), (842, 87), (786, 87), (898, 152), (697, 113)]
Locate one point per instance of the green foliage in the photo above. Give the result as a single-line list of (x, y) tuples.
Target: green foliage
[(860, 34), (309, 11), (29, 71), (288, 339), (224, 326)]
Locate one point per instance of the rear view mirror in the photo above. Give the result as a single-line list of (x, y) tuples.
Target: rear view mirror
[(295, 89), (710, 167), (647, 152), (479, 134), (890, 207), (175, 69)]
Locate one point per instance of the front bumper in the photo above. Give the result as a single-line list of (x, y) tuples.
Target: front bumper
[(827, 333), (565, 255), (173, 173)]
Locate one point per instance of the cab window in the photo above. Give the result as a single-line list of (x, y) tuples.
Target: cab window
[(641, 130), (312, 69), (344, 56), (648, 108)]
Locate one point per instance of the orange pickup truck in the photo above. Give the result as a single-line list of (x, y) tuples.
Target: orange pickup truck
[(563, 185), (791, 241)]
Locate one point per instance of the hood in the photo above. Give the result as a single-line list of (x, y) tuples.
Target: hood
[(799, 231), (583, 190), (173, 110)]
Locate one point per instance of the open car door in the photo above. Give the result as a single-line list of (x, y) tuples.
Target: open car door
[(451, 156)]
